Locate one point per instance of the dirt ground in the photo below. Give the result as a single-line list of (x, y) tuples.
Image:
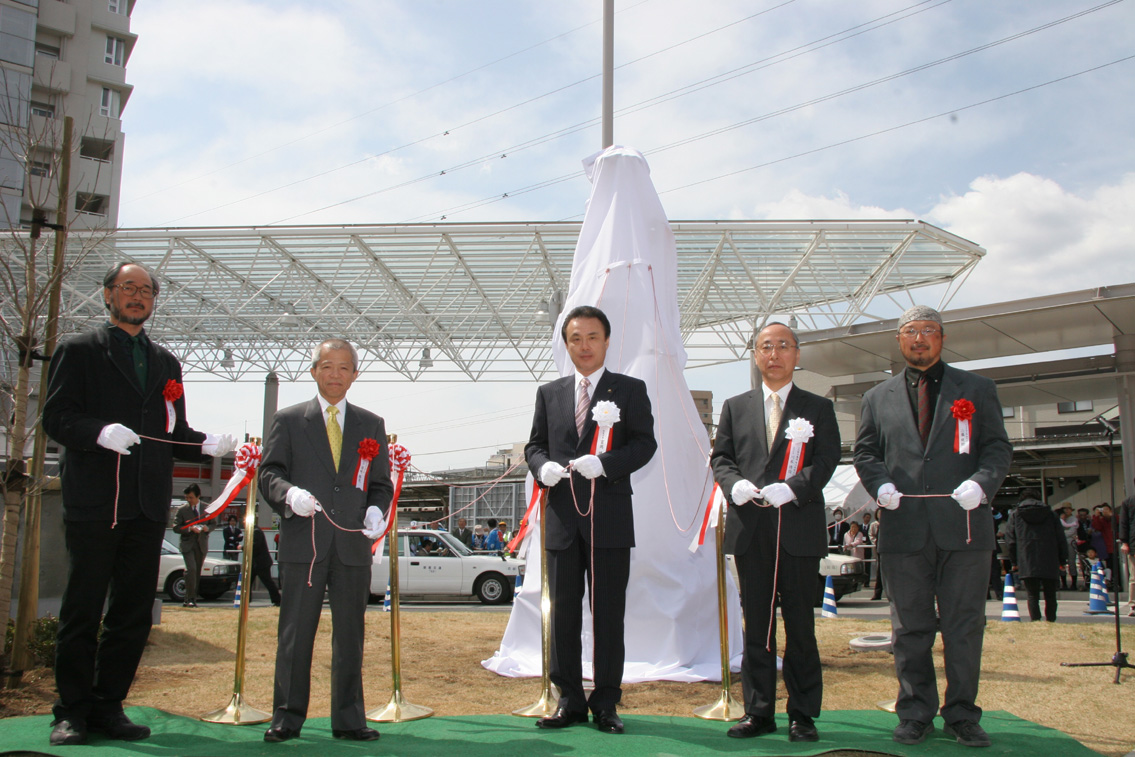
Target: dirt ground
[(188, 669)]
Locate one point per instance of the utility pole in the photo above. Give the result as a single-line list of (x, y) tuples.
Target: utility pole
[(608, 73)]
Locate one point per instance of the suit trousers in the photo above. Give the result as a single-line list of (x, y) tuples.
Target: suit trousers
[(94, 675), (797, 581), (570, 572), (194, 560), (959, 581), (1034, 587), (348, 590)]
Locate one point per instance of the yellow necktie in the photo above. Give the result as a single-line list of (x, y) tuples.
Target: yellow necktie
[(773, 421), (334, 434)]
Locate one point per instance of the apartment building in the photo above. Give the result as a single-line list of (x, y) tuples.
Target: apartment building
[(62, 59)]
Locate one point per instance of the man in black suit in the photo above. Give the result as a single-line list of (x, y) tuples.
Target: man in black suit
[(776, 486), (588, 538), (933, 429), (312, 464), (194, 542), (463, 533), (105, 389)]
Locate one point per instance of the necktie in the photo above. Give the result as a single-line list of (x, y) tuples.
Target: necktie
[(334, 434), (138, 357), (925, 413), (582, 405), (773, 420)]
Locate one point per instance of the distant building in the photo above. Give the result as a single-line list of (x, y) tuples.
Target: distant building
[(63, 59), (703, 401)]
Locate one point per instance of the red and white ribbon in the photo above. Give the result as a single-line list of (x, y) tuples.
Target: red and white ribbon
[(522, 530), (247, 461), (368, 449), (963, 411), (799, 431), (713, 509), (399, 463), (172, 392)]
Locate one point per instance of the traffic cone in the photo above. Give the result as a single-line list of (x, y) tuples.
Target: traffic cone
[(829, 610), (1097, 595), (1009, 610), (236, 594), (386, 600)]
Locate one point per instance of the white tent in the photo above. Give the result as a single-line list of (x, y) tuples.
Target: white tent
[(846, 491)]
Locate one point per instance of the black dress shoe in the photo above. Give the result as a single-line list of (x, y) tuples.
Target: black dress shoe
[(562, 718), (750, 726), (118, 727), (278, 733), (802, 730), (608, 721), (356, 734), (68, 731)]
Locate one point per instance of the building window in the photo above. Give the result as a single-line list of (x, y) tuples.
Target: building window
[(1080, 406), (97, 149), (109, 106), (117, 6), (86, 202), (1008, 412), (43, 110), (46, 50), (40, 168), (115, 51)]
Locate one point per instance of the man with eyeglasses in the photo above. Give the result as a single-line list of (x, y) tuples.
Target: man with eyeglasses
[(776, 448), (935, 432), (106, 390)]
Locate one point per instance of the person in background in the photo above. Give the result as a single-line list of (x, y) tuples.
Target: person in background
[(1083, 543), (462, 532), (1068, 523), (1103, 538), (854, 540), (194, 542), (233, 535), (498, 538), (1127, 548), (1038, 550), (262, 566), (478, 539), (837, 529)]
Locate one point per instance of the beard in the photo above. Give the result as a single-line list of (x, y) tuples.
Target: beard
[(122, 317)]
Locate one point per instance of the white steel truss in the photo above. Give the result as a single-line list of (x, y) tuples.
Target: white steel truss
[(460, 301)]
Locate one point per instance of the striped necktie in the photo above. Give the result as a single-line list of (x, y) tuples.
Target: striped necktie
[(582, 405)]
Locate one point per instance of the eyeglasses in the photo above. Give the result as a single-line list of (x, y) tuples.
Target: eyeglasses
[(146, 293), (768, 347), (911, 333)]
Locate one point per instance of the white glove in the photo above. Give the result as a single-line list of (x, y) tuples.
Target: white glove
[(744, 491), (374, 523), (778, 494), (218, 445), (551, 473), (888, 497), (969, 494), (117, 438), (301, 502), (588, 466)]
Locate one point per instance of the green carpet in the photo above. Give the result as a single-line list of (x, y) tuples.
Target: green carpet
[(493, 735)]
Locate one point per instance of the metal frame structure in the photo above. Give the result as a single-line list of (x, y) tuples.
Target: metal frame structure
[(477, 301)]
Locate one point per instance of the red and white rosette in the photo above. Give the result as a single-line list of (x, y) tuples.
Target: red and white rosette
[(173, 391), (798, 433), (399, 463), (368, 449), (963, 411), (247, 461), (605, 414)]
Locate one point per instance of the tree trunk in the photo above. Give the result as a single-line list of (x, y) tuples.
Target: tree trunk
[(14, 487)]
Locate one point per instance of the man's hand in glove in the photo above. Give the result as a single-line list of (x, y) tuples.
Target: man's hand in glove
[(118, 438), (301, 502)]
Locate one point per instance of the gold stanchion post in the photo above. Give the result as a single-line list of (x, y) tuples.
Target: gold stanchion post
[(237, 711), (397, 710), (726, 707), (549, 694)]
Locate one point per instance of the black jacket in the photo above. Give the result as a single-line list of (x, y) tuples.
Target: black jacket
[(1035, 540), (1126, 517)]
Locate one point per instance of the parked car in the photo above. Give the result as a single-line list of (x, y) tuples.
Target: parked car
[(848, 574), (434, 564), (217, 575)]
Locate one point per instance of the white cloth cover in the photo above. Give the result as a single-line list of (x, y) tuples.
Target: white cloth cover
[(626, 264)]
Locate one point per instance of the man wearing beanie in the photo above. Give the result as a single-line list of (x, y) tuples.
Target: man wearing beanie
[(932, 447)]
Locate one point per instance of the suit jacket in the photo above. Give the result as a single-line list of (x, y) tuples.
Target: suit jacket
[(888, 449), (740, 451), (191, 539), (91, 384), (297, 453), (554, 437)]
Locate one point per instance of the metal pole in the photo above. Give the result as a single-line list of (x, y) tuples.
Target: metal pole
[(608, 73), (726, 707), (237, 711), (549, 694)]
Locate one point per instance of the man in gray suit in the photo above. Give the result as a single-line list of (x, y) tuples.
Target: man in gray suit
[(194, 542), (936, 432), (326, 471)]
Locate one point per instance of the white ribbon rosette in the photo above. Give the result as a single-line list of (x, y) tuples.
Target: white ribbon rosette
[(798, 433), (606, 415)]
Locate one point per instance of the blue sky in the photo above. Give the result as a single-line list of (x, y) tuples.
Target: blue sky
[(1009, 123)]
